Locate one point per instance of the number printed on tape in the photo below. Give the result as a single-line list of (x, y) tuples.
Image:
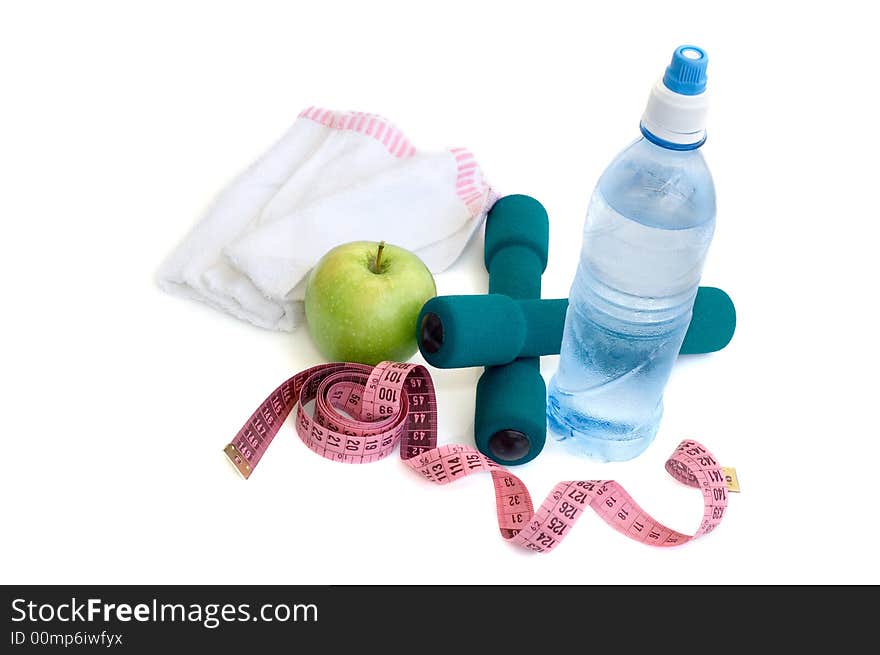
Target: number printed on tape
[(361, 413)]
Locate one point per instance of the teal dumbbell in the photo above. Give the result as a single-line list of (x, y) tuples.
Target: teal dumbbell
[(510, 414), (508, 329), (494, 329)]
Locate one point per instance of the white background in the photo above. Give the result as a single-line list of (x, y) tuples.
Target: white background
[(120, 121)]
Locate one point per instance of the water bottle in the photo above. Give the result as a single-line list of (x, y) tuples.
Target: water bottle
[(648, 227)]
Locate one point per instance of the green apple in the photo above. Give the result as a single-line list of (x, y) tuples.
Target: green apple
[(363, 299)]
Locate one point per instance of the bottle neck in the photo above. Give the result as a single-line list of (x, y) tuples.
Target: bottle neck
[(669, 145), (675, 121)]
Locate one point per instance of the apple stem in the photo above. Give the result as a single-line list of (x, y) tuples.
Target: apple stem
[(376, 269)]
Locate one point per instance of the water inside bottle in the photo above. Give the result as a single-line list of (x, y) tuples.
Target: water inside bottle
[(629, 310)]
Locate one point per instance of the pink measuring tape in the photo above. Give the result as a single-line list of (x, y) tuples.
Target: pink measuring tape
[(360, 413)]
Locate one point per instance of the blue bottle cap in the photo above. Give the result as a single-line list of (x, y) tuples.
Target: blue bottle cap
[(686, 74)]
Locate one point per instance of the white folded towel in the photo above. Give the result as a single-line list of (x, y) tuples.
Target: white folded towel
[(334, 177)]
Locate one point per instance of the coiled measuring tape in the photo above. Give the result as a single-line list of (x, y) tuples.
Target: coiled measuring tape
[(361, 413)]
